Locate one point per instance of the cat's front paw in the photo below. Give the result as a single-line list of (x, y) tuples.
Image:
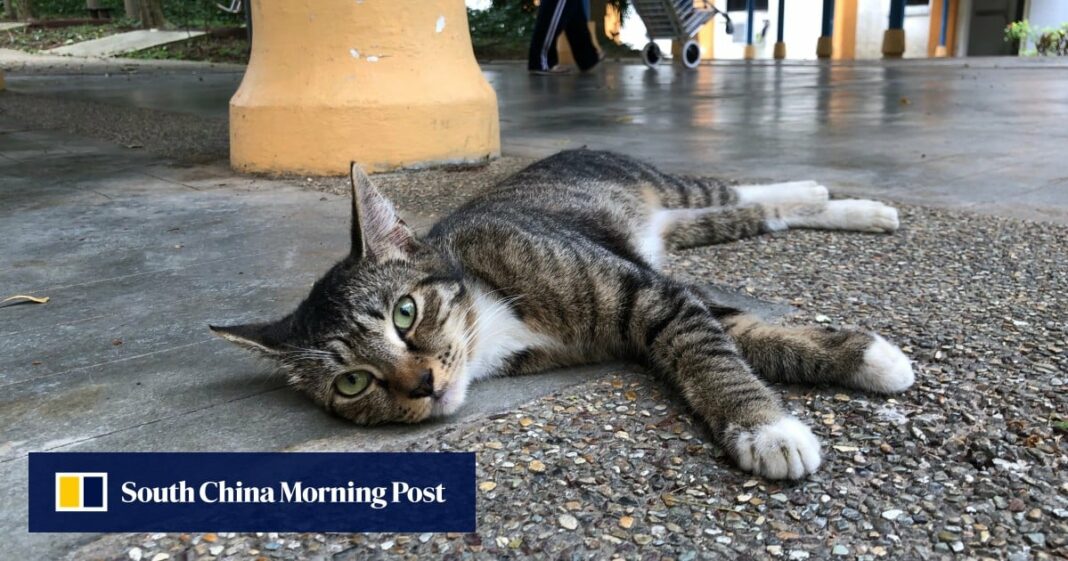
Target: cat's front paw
[(783, 449)]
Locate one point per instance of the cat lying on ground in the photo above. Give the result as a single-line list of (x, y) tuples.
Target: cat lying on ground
[(559, 265)]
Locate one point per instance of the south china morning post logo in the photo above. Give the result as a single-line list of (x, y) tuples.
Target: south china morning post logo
[(81, 492), (252, 492), (211, 492)]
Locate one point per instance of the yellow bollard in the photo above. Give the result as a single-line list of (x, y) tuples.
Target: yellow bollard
[(894, 43), (825, 47), (3, 85), (387, 84), (750, 52), (780, 50)]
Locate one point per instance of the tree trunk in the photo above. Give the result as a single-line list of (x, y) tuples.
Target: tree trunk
[(133, 9), (23, 9), (151, 12)]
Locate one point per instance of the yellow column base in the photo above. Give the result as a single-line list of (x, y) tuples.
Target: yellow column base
[(780, 50), (750, 52), (386, 84), (825, 47), (894, 43), (941, 51), (3, 85)]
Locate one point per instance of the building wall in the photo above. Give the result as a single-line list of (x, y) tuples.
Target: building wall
[(1047, 13)]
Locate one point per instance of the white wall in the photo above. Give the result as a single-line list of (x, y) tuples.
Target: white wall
[(917, 29), (1047, 13), (801, 33)]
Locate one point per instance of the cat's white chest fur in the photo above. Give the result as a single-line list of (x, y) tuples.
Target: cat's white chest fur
[(498, 334)]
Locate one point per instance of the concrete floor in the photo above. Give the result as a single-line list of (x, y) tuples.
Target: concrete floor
[(139, 253), (977, 134)]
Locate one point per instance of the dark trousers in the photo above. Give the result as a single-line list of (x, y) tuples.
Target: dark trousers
[(561, 16)]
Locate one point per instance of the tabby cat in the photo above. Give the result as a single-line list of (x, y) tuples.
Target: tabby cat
[(559, 265)]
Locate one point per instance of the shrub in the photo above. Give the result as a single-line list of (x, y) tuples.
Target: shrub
[(1047, 41)]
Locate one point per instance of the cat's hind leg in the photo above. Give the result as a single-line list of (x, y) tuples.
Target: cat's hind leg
[(695, 227), (817, 355), (858, 215), (809, 192)]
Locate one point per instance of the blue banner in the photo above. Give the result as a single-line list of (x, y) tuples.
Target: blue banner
[(252, 492)]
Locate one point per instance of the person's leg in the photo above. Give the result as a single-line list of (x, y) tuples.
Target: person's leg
[(547, 28), (577, 28)]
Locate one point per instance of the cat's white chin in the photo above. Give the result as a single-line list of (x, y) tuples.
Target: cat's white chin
[(452, 398)]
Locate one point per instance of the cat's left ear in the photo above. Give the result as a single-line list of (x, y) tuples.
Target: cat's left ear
[(265, 338), (377, 232)]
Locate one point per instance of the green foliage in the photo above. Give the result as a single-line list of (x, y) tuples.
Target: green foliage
[(205, 48), (39, 38), (194, 14), (502, 30), (69, 8), (502, 21), (1047, 41)]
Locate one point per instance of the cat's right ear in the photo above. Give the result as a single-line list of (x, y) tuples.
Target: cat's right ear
[(264, 338), (377, 231)]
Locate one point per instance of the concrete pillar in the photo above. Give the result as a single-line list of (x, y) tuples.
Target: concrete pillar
[(780, 46), (845, 30), (750, 20), (386, 84), (825, 45), (894, 38), (706, 37), (938, 33)]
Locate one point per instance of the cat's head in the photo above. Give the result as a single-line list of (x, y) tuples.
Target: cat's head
[(384, 335)]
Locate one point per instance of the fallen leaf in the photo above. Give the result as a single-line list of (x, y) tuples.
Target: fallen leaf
[(26, 298)]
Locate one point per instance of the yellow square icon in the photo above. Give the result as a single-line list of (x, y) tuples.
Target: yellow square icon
[(70, 491)]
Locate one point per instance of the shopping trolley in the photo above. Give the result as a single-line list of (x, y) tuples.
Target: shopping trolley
[(675, 19)]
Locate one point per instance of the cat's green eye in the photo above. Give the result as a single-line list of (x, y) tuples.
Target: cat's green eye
[(352, 383), (404, 313)]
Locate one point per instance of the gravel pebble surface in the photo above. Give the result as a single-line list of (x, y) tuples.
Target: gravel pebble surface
[(968, 464)]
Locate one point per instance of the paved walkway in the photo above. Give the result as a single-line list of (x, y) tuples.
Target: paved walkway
[(127, 42), (977, 134)]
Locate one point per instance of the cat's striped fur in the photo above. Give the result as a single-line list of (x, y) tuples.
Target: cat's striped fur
[(558, 265)]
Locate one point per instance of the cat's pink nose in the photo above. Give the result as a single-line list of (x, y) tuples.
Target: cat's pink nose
[(425, 387)]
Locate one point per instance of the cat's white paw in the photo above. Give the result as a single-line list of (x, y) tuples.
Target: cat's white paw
[(885, 368), (784, 449), (859, 215), (864, 216)]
